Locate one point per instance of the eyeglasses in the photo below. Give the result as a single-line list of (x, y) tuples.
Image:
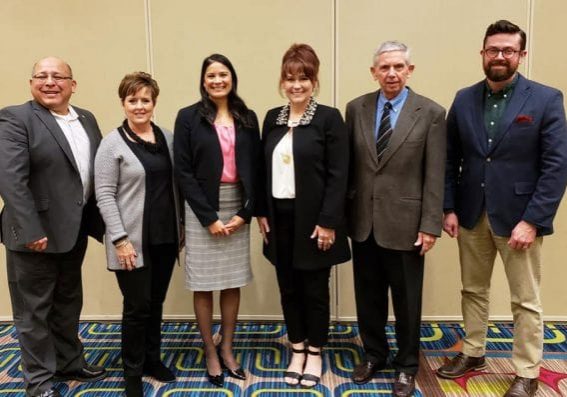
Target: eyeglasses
[(44, 77), (507, 52)]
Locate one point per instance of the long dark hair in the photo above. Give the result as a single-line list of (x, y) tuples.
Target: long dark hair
[(236, 105)]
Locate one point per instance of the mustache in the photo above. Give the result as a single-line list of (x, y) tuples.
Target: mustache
[(498, 63)]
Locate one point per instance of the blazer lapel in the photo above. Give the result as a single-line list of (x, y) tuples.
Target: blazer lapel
[(49, 121), (368, 122), (519, 98), (477, 116), (404, 125)]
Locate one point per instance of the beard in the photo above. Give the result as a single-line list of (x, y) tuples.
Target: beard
[(498, 75)]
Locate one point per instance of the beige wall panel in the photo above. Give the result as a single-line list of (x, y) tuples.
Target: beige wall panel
[(548, 59), (102, 41), (445, 38), (254, 34)]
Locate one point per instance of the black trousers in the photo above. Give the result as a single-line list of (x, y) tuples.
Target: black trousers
[(47, 297), (144, 292), (304, 293), (377, 269)]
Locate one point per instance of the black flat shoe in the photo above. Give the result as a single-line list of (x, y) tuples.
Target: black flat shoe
[(89, 373), (237, 373), (159, 372), (217, 380)]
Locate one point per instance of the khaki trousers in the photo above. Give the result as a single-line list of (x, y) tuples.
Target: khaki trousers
[(477, 252)]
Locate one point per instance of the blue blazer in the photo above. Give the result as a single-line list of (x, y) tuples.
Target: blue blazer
[(522, 175)]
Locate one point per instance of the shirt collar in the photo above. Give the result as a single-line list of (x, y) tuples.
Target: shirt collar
[(396, 101), (506, 90), (71, 116)]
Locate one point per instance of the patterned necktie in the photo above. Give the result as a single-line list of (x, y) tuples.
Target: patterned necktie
[(384, 132)]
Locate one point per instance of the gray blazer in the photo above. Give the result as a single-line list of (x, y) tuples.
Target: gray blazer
[(40, 182), (403, 194), (120, 187)]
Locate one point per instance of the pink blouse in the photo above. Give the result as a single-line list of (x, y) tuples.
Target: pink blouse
[(227, 138)]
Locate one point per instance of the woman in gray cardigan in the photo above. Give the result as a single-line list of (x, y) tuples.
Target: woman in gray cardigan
[(137, 198)]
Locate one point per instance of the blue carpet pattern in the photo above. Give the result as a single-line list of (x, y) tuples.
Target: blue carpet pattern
[(261, 348)]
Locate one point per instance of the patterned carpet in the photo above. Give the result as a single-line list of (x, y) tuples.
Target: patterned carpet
[(261, 348)]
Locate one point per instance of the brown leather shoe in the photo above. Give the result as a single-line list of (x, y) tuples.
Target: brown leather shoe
[(364, 371), (522, 387), (404, 385), (460, 365)]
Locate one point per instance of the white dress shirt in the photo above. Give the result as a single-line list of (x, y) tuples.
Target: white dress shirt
[(80, 146), (283, 171)]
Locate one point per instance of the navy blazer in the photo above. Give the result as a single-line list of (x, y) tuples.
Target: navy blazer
[(522, 175), (199, 163)]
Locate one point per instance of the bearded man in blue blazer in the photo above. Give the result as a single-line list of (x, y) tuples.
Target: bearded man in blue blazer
[(505, 175)]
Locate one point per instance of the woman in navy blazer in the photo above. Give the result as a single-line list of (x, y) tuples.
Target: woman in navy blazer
[(306, 157), (216, 151)]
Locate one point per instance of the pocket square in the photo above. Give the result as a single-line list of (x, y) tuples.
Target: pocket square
[(524, 118)]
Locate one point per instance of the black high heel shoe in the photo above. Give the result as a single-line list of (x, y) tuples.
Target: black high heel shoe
[(237, 373), (292, 374), (310, 377), (217, 380)]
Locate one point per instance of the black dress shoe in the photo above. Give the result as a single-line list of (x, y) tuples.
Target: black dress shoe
[(460, 365), (364, 371), (404, 385), (89, 373), (522, 387), (237, 373), (48, 393), (134, 386), (159, 372)]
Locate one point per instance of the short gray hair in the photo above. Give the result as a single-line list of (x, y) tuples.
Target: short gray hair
[(393, 45)]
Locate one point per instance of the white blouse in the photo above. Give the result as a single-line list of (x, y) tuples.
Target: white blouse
[(283, 171)]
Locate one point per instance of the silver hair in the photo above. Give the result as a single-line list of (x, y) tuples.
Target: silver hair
[(389, 46)]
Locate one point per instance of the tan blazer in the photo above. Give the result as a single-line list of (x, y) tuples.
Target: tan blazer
[(403, 194)]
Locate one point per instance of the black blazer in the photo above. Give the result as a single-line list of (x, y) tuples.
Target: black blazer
[(321, 158), (199, 163)]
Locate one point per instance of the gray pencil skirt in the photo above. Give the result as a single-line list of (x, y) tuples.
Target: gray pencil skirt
[(217, 263)]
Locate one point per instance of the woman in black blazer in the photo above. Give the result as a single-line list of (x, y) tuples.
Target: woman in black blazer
[(305, 147), (217, 152)]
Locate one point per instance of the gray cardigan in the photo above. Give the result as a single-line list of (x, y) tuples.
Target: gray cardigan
[(120, 187)]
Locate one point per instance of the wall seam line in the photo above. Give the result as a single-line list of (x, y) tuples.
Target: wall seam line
[(530, 32)]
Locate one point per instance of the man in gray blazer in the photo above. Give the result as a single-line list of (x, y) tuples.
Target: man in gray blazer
[(395, 209), (47, 150)]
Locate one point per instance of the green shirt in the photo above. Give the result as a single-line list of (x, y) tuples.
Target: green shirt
[(494, 106)]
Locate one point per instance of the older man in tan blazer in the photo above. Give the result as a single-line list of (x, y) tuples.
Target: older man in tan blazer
[(394, 209)]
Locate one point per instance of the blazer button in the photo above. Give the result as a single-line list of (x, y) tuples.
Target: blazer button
[(482, 184), (80, 202), (488, 159)]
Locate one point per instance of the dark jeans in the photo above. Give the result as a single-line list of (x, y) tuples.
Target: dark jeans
[(304, 293), (144, 292), (377, 269)]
